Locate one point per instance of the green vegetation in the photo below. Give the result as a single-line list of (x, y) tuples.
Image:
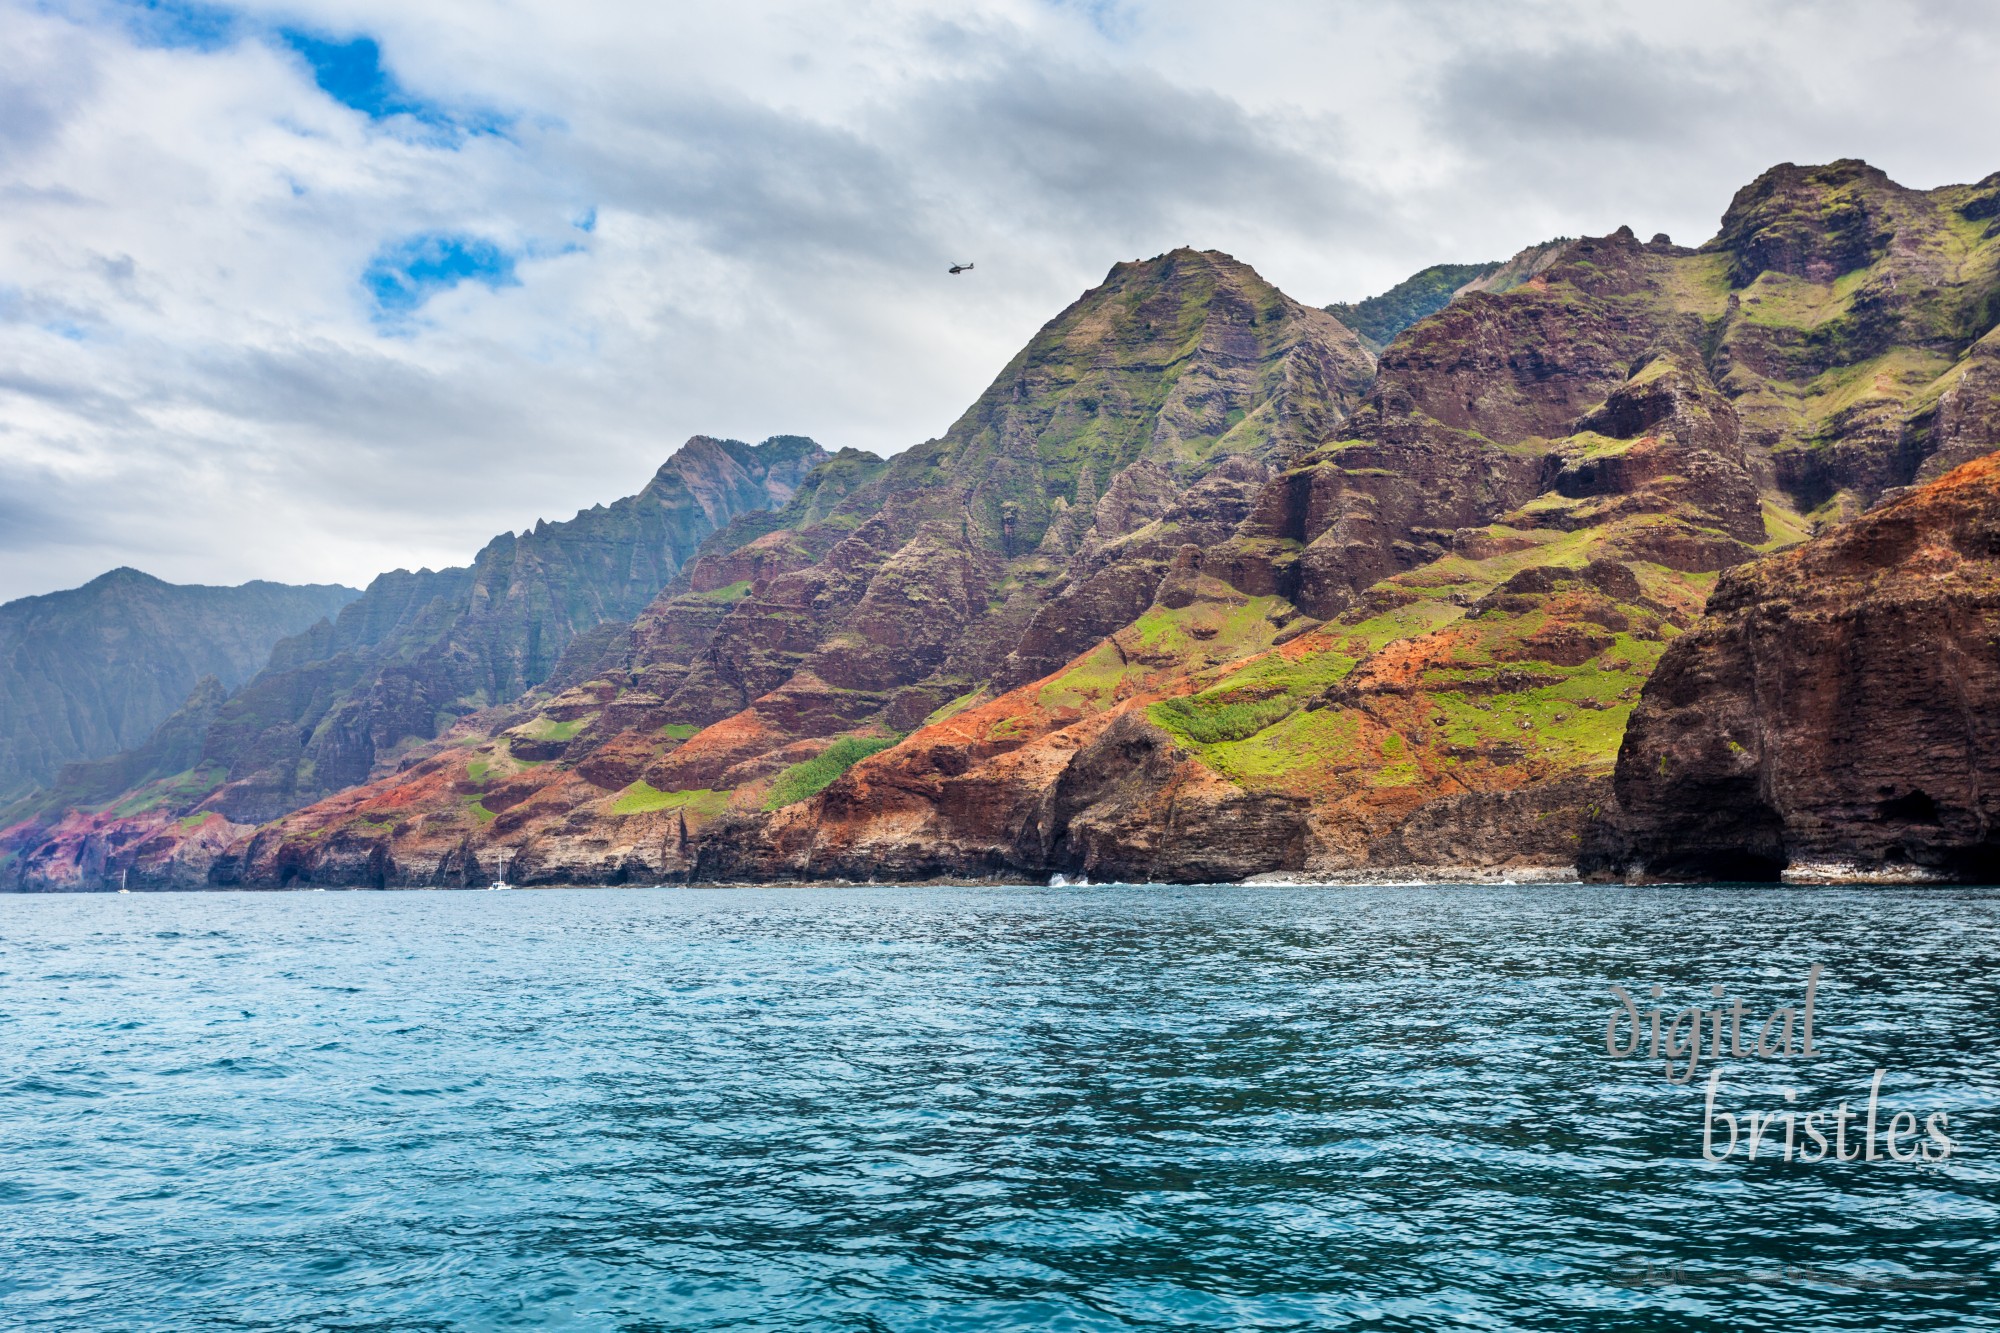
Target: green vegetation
[(679, 731), (1700, 283), (816, 774), (1381, 318), (1901, 375), (1205, 634), (1576, 719), (956, 706), (1409, 621), (182, 789), (1293, 753), (1210, 719), (548, 729), (1589, 444), (733, 592), (1398, 767), (1783, 527), (1092, 682), (641, 798), (1213, 629)]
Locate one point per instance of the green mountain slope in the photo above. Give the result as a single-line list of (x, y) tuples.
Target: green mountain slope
[(417, 651), (1380, 318)]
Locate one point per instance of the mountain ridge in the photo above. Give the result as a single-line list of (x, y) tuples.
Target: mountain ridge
[(1199, 587), (88, 671)]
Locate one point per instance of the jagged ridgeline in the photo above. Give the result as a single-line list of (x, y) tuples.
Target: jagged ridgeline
[(1199, 589), (346, 698)]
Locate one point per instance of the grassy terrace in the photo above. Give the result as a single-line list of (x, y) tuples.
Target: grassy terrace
[(548, 729), (815, 775), (642, 799)]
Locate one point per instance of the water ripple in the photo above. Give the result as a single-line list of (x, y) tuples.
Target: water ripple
[(930, 1109)]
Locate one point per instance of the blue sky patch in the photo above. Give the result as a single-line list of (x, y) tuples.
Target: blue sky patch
[(1112, 18), (352, 74), (180, 24), (349, 71), (404, 274)]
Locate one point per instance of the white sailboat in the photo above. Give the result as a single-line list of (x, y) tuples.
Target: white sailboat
[(501, 883)]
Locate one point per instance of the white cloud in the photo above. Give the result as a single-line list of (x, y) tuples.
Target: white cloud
[(194, 377)]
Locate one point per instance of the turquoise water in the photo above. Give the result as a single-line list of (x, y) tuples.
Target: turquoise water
[(978, 1108)]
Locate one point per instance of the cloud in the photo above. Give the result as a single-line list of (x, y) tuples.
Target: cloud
[(1588, 95), (170, 23), (313, 289), (26, 526)]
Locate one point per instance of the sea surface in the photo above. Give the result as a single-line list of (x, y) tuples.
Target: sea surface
[(1069, 1108)]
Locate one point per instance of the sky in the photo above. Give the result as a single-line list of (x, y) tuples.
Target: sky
[(311, 291)]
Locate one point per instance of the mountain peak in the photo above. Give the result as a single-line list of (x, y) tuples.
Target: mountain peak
[(1812, 222), (1176, 359), (127, 576)]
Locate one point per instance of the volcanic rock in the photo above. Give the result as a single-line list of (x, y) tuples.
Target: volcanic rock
[(1838, 706)]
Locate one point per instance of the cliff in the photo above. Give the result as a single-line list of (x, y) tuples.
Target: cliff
[(1836, 712), (1150, 412)]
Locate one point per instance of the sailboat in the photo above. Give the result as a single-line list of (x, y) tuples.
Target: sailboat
[(501, 883)]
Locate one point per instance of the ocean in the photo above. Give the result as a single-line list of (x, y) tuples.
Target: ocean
[(1073, 1108)]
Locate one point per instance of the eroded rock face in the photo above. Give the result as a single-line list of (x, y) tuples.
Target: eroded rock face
[(1815, 223), (1139, 530), (1838, 704), (1965, 422)]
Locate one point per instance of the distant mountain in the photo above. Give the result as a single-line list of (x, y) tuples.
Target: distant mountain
[(1380, 318), (93, 670)]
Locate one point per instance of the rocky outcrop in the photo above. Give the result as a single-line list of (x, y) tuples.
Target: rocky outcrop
[(1816, 223), (1142, 524), (1849, 299), (1837, 710)]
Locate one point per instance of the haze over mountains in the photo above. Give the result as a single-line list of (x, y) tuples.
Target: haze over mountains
[(1201, 587), (94, 670)]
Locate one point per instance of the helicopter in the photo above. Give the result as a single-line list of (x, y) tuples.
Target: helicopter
[(959, 268)]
